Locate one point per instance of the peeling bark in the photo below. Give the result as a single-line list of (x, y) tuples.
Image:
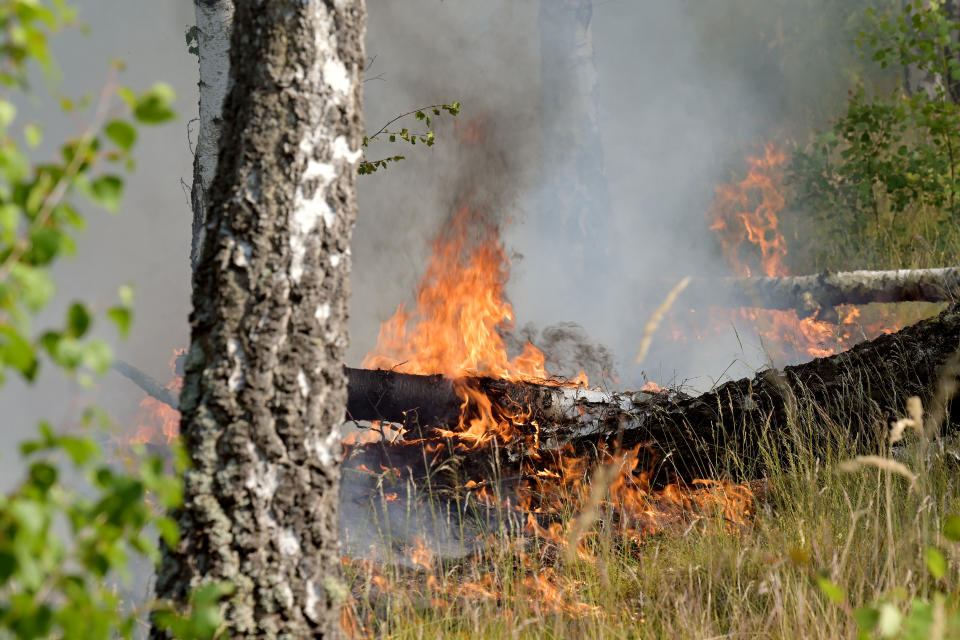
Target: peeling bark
[(264, 391)]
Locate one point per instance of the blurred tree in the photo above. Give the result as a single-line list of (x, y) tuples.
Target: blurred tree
[(889, 168), (575, 207), (68, 531)]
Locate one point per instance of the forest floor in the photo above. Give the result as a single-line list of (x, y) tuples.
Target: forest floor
[(828, 547)]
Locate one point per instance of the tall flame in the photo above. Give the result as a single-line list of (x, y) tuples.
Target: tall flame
[(745, 216), (460, 312), (749, 210)]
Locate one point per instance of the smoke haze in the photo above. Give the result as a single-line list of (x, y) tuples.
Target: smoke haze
[(682, 91)]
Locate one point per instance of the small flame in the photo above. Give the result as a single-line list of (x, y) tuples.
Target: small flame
[(420, 554), (157, 422)]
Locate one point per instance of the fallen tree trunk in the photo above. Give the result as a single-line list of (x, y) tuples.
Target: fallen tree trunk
[(846, 398), (841, 401), (373, 394), (826, 290)]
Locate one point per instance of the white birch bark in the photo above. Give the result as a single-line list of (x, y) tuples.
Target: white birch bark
[(213, 29)]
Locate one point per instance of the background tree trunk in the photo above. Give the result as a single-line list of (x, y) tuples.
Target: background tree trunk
[(575, 202), (264, 391)]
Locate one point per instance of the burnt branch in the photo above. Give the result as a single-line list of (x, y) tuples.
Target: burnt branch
[(151, 386)]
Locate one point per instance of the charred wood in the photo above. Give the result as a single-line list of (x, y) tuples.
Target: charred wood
[(411, 400), (841, 401)]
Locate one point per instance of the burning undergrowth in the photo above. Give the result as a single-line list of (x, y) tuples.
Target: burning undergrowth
[(435, 501), (435, 509)]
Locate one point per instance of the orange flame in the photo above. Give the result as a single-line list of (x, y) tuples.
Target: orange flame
[(460, 310), (746, 218), (455, 330), (749, 210), (157, 422)]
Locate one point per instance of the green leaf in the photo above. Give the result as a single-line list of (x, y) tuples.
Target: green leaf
[(122, 318), (154, 106), (29, 514), (32, 135), (834, 593), (107, 191), (97, 356), (122, 133), (35, 285), (936, 563), (866, 618), (43, 475), (9, 219), (16, 352), (169, 531), (66, 351), (80, 450), (125, 293), (951, 528), (128, 96), (8, 113), (46, 244), (78, 319)]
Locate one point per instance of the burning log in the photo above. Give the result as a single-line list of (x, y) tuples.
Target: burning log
[(853, 393), (850, 397), (826, 290)]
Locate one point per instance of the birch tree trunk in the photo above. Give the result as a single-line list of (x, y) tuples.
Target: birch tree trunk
[(214, 24), (917, 80), (264, 391)]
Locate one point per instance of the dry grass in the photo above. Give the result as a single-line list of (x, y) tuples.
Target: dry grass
[(866, 531)]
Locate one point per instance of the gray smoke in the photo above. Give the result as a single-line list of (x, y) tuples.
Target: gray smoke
[(683, 90)]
